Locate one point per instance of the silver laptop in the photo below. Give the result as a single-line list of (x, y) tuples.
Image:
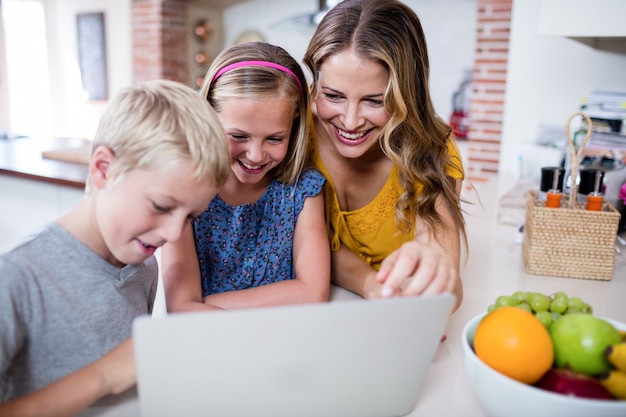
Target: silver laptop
[(346, 359)]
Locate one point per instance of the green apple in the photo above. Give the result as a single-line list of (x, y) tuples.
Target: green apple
[(579, 342)]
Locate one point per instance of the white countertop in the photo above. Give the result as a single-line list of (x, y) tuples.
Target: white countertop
[(494, 267)]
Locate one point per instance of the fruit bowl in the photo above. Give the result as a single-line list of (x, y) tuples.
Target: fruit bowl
[(501, 396)]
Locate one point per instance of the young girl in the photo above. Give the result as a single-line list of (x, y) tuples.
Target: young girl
[(263, 239), (393, 169)]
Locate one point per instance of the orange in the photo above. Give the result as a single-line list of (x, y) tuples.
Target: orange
[(515, 343)]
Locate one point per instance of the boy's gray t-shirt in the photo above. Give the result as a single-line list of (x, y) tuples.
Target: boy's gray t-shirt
[(62, 307)]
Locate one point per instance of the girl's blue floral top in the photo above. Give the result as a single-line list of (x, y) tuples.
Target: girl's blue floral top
[(251, 245)]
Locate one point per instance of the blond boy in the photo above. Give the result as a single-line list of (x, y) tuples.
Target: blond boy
[(69, 293)]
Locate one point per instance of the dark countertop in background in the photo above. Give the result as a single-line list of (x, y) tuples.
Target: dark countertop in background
[(22, 157)]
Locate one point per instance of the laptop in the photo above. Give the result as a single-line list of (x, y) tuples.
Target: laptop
[(352, 358)]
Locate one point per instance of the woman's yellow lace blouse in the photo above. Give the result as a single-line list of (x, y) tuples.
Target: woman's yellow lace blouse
[(371, 231)]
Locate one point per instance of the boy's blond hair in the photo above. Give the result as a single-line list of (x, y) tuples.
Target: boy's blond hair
[(162, 122)]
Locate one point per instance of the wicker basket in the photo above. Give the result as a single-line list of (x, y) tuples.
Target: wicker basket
[(570, 241)]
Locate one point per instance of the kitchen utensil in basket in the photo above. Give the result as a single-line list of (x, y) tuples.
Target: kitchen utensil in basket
[(570, 241)]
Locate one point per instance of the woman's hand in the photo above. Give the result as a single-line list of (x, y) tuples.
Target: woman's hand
[(417, 269), (429, 264), (372, 289)]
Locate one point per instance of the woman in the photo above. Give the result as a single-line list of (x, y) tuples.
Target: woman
[(394, 172)]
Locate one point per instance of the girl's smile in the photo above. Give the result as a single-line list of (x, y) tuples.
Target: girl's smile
[(258, 137)]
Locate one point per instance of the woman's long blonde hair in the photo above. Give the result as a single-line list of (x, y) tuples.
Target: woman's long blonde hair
[(415, 138)]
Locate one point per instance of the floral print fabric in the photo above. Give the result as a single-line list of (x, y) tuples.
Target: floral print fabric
[(251, 245)]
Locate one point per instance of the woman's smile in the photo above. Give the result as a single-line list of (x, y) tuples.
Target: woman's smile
[(352, 139)]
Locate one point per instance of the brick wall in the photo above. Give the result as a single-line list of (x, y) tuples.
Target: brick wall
[(160, 40), (488, 87), (160, 51)]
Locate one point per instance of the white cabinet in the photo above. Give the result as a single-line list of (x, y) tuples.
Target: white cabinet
[(583, 18), (26, 205)]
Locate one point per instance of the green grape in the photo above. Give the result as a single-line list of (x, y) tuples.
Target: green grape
[(544, 317), (575, 303), (555, 316), (525, 306), (520, 296), (535, 302), (505, 300), (558, 305), (538, 301)]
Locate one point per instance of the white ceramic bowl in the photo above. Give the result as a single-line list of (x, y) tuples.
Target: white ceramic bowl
[(501, 396)]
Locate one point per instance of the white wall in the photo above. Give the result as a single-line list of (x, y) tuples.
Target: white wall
[(73, 115), (548, 76), (450, 27)]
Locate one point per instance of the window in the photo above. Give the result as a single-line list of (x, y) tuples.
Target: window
[(27, 67)]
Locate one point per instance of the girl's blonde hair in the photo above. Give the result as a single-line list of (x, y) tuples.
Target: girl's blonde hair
[(415, 139), (257, 82), (163, 122)]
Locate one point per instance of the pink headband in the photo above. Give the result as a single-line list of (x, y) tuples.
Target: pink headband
[(257, 64)]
